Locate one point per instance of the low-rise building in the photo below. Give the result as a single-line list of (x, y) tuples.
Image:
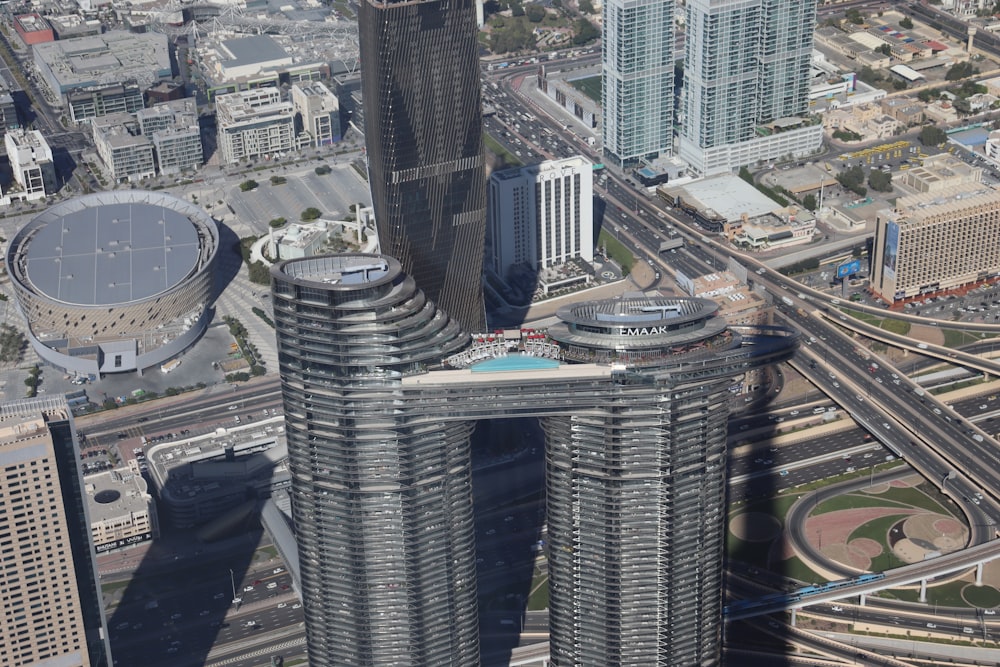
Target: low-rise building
[(31, 163), (102, 61), (906, 110), (317, 113), (176, 135), (126, 153), (96, 101), (33, 29), (8, 112), (739, 304), (73, 25), (940, 111), (866, 120), (939, 173), (254, 123), (122, 512)]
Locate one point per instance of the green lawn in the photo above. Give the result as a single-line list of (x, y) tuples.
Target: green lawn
[(505, 156), (589, 86), (540, 596), (616, 251), (794, 568), (953, 338), (751, 553), (945, 595), (914, 497), (985, 597), (878, 529), (113, 586), (852, 501), (891, 325)]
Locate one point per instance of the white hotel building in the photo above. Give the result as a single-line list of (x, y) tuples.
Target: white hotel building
[(541, 215)]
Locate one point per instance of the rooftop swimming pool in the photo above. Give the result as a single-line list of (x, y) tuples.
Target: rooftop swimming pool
[(514, 362)]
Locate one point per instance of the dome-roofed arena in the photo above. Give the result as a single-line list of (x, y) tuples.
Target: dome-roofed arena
[(114, 281)]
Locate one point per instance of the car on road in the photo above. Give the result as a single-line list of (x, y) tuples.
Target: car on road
[(296, 606), (247, 589), (835, 608), (282, 605)]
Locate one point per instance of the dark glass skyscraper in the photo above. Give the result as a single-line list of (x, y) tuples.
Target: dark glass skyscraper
[(423, 132)]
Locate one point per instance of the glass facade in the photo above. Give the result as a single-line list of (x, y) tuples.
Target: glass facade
[(746, 63), (378, 416), (638, 79), (423, 133), (382, 505)]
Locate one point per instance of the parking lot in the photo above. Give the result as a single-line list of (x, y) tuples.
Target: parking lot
[(332, 194)]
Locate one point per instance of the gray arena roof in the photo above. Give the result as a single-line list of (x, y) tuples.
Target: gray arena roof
[(112, 253)]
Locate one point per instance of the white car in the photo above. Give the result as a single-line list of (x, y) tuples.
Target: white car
[(838, 608), (282, 605)]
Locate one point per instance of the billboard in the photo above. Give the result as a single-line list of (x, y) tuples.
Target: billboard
[(891, 253), (123, 542), (849, 268)]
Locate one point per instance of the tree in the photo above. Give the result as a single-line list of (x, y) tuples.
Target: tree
[(277, 222), (586, 6), (248, 185), (927, 94), (259, 274), (516, 8), (854, 16), (906, 23), (809, 201), (584, 31), (535, 13), (931, 135), (885, 50), (278, 180), (869, 76), (880, 181), (846, 135), (959, 71), (311, 214), (852, 179)]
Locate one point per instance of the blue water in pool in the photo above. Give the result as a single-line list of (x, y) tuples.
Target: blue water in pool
[(514, 362)]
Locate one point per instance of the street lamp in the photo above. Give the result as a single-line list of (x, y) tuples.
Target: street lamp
[(232, 580)]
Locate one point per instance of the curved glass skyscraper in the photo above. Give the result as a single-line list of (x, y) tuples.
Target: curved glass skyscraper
[(382, 504), (424, 135), (381, 389)]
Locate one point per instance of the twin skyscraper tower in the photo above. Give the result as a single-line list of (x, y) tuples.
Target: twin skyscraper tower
[(382, 385)]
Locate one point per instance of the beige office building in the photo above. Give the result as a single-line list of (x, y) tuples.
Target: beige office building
[(936, 241), (254, 123), (50, 611), (122, 511)]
